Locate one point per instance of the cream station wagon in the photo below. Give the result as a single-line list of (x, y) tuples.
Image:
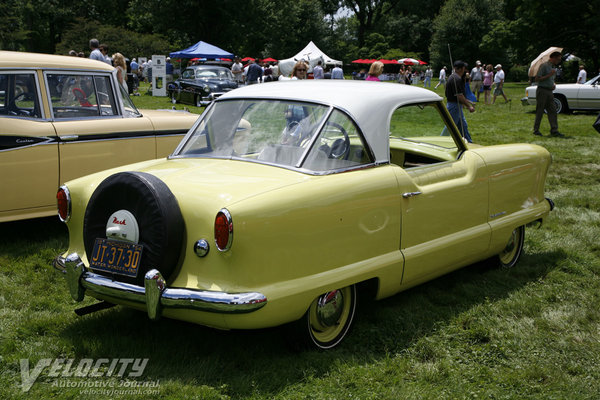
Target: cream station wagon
[(64, 117), (286, 197)]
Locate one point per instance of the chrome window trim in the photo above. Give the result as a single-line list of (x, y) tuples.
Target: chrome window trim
[(288, 167), (38, 89), (314, 137)]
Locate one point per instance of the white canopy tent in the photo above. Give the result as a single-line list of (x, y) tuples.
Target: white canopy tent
[(311, 54)]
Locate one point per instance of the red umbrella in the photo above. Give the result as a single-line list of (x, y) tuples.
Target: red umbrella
[(422, 62), (359, 61), (269, 59), (389, 61), (247, 59)]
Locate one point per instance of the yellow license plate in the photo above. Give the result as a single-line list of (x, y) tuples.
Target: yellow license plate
[(116, 257)]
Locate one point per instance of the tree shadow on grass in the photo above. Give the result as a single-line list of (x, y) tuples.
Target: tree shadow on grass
[(259, 360)]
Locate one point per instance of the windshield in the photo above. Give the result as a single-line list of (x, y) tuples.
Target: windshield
[(207, 73), (284, 133), (594, 81)]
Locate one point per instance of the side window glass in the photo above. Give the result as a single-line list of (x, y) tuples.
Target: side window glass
[(419, 136), (105, 97), (77, 96), (19, 96), (338, 146)]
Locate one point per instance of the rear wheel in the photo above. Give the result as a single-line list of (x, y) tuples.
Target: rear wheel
[(327, 320), (510, 255)]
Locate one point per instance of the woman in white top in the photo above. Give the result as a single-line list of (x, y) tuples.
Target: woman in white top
[(119, 63)]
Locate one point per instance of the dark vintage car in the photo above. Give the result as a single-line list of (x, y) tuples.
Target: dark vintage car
[(201, 84)]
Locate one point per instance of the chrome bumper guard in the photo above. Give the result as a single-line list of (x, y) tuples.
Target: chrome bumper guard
[(154, 294)]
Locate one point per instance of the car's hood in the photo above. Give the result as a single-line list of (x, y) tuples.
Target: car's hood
[(217, 183)]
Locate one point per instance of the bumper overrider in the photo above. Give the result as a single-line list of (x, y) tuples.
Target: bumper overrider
[(154, 294)]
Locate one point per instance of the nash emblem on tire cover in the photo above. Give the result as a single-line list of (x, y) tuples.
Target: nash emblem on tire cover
[(121, 225)]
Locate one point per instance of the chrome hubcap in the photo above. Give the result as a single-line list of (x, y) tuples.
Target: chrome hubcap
[(329, 308)]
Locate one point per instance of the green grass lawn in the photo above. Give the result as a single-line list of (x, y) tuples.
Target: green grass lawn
[(531, 332)]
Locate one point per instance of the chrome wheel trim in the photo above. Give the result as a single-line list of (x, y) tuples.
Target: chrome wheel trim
[(509, 256), (330, 317)]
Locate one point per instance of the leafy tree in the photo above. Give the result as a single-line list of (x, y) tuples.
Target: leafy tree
[(460, 25), (12, 30)]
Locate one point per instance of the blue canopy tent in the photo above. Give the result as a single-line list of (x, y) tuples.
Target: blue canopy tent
[(201, 50)]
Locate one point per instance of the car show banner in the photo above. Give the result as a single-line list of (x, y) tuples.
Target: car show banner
[(159, 76)]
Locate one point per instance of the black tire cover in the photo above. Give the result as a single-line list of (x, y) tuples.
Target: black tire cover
[(161, 226)]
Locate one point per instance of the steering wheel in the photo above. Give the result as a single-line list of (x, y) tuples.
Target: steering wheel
[(15, 110), (340, 147), (81, 97)]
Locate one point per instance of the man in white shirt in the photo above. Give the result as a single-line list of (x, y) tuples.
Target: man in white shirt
[(582, 77), (442, 78), (499, 83), (237, 69), (477, 78)]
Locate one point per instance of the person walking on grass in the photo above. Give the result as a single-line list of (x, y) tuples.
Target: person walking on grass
[(544, 97), (499, 84)]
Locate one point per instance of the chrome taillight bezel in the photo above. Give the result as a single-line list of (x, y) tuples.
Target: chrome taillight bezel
[(64, 189)]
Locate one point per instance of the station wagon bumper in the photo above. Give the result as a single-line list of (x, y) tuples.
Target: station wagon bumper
[(154, 294)]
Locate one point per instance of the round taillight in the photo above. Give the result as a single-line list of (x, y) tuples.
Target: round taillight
[(223, 230), (63, 203)]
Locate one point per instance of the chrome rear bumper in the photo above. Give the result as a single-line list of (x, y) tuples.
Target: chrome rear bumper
[(154, 294)]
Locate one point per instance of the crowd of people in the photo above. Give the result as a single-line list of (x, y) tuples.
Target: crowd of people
[(462, 88), (137, 71), (259, 72)]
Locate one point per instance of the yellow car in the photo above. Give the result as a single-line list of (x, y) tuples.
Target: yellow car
[(286, 197), (65, 117)]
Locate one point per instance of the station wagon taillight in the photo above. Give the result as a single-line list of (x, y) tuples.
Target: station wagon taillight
[(223, 230), (63, 203)]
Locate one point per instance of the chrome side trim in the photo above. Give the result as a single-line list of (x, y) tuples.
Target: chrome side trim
[(154, 294)]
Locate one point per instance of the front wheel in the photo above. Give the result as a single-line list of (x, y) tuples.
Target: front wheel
[(510, 255), (327, 320)]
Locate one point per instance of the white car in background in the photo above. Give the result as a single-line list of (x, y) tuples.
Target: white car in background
[(571, 96)]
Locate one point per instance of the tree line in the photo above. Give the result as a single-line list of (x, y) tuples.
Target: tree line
[(509, 32)]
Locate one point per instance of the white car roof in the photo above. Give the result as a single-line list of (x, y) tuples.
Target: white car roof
[(370, 104)]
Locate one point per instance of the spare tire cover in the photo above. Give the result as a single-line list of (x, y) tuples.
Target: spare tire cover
[(161, 226)]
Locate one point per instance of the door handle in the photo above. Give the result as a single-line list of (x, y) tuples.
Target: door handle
[(410, 194)]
